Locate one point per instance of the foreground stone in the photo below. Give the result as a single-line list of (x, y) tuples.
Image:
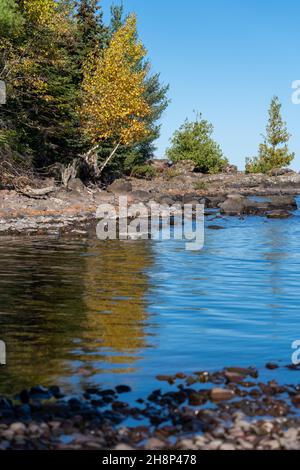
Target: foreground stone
[(240, 413)]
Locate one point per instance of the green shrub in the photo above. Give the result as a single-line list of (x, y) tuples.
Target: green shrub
[(193, 141)]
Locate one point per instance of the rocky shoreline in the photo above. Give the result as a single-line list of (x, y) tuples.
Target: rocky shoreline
[(72, 210), (226, 410)]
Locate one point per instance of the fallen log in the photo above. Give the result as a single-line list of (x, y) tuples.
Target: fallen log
[(36, 193)]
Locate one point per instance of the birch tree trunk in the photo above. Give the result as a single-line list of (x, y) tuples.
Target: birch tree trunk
[(109, 158)]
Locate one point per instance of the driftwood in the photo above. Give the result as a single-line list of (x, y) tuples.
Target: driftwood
[(69, 172), (36, 193)]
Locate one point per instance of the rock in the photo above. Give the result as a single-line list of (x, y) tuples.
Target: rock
[(271, 366), (234, 377), (165, 200), (280, 171), (18, 428), (123, 389), (120, 186), (221, 394), (244, 371), (7, 434), (283, 202), (227, 447), (154, 444), (215, 227), (279, 214), (230, 169), (245, 444), (123, 446), (215, 444), (140, 196), (160, 165), (272, 444), (76, 185), (235, 204), (184, 167)]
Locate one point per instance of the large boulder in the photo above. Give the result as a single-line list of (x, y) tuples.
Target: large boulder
[(140, 196), (283, 202), (280, 171), (120, 186), (159, 165), (235, 204), (184, 167), (76, 185), (230, 169)]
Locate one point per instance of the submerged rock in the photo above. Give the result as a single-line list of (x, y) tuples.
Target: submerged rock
[(222, 394), (279, 214)]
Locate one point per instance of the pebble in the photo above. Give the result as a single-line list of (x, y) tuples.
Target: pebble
[(227, 447), (18, 428)]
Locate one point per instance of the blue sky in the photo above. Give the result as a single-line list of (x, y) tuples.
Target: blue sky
[(226, 59)]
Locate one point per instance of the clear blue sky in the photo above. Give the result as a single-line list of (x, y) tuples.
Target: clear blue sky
[(226, 59)]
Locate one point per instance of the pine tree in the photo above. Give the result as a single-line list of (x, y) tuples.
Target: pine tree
[(117, 17), (274, 151), (92, 33)]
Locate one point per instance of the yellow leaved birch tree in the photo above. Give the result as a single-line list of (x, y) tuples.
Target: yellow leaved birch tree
[(113, 94), (38, 11)]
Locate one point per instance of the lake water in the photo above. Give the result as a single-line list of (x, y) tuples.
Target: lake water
[(84, 312)]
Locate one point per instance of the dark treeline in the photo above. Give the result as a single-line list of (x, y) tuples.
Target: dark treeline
[(44, 47)]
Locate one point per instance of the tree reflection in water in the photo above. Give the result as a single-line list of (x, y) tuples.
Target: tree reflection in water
[(70, 309)]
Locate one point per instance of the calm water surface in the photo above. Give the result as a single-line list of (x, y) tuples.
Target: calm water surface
[(78, 313)]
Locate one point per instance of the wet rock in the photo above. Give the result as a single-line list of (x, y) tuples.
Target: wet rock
[(215, 227), (74, 404), (251, 372), (166, 378), (235, 204), (234, 377), (271, 366), (279, 214), (221, 394), (39, 393), (123, 389), (283, 202)]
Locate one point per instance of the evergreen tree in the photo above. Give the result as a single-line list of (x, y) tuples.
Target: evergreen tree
[(274, 152), (193, 141), (92, 33), (117, 17)]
